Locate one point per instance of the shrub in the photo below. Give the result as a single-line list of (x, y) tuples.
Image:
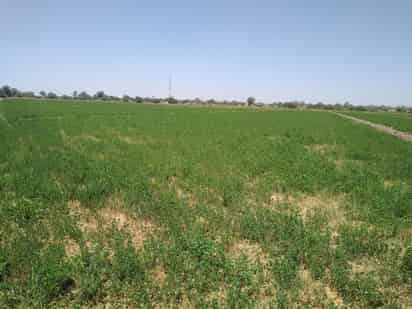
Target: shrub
[(251, 101)]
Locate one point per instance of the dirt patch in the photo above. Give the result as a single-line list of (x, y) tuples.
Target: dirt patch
[(135, 139), (252, 251), (86, 221), (333, 296), (363, 266), (391, 183), (184, 303), (379, 127), (129, 140), (321, 149), (315, 292), (90, 138), (330, 206), (339, 163), (137, 229), (219, 296), (213, 196), (388, 183), (74, 205), (159, 275), (113, 213), (202, 221), (71, 247), (405, 297), (181, 194), (279, 198), (308, 205), (68, 140)]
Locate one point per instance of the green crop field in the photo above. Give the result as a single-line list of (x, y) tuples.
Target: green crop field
[(398, 121), (141, 205)]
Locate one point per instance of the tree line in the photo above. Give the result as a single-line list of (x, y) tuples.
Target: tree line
[(10, 92)]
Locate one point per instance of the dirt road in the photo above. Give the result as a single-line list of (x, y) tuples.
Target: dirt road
[(400, 134)]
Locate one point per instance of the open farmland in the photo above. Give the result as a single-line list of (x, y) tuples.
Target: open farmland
[(164, 206), (398, 121)]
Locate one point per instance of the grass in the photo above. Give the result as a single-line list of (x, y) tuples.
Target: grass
[(398, 121), (169, 206)]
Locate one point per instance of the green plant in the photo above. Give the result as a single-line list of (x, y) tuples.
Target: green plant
[(50, 277), (406, 263)]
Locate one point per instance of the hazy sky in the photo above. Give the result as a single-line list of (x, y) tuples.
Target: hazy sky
[(330, 51)]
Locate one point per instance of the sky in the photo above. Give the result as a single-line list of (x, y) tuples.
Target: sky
[(329, 51)]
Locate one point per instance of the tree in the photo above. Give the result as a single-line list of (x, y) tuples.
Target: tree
[(126, 98), (43, 93), (99, 95), (74, 94), (14, 92), (84, 95), (153, 100), (6, 91), (251, 101), (51, 95), (138, 99), (172, 100)]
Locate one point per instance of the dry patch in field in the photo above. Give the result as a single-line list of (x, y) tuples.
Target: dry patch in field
[(159, 275), (112, 214), (219, 296), (405, 297), (213, 196), (330, 206), (136, 140), (181, 194), (363, 266), (252, 251), (278, 198), (321, 149), (71, 247), (69, 140), (133, 139), (86, 221), (129, 140), (255, 255), (202, 221), (390, 183), (339, 163), (308, 205), (315, 292), (184, 303), (91, 138)]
